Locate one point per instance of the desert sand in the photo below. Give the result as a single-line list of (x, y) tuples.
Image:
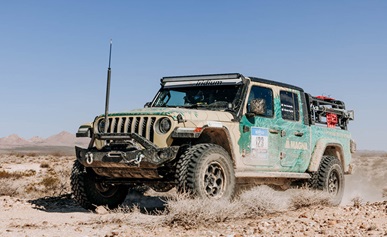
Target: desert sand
[(35, 200)]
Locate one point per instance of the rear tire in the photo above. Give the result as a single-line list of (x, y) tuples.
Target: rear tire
[(90, 193), (206, 171), (329, 178)]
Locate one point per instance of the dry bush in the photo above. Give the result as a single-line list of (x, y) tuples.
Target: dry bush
[(23, 154), (16, 175), (45, 187), (187, 212), (385, 192), (44, 165), (8, 188), (263, 200), (192, 213), (125, 214), (357, 202), (308, 197), (50, 183), (31, 154), (64, 181), (53, 183), (56, 153), (17, 154)]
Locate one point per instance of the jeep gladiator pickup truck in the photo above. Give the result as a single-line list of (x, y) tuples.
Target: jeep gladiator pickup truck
[(207, 134)]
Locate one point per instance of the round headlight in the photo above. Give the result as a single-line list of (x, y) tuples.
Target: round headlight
[(101, 126), (164, 125)]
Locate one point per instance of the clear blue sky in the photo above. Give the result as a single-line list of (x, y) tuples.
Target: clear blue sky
[(54, 55)]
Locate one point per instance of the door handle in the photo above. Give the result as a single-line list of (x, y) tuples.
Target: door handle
[(299, 134), (274, 131)]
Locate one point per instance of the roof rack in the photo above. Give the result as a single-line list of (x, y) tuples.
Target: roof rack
[(328, 111)]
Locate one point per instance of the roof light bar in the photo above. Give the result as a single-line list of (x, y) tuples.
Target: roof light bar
[(202, 77)]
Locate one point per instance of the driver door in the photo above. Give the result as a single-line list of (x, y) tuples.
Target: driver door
[(259, 141)]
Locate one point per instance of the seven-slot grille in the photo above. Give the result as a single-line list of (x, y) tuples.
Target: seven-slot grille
[(143, 126)]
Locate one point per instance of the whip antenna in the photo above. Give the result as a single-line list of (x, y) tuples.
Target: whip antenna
[(108, 90)]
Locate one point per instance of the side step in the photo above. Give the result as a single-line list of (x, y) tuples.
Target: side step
[(255, 174)]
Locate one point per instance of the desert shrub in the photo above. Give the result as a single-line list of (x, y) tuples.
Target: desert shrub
[(385, 192), (262, 200), (8, 188), (187, 212), (308, 197), (57, 154), (128, 214), (357, 202), (190, 213), (63, 176), (44, 165), (16, 175), (17, 154), (50, 183)]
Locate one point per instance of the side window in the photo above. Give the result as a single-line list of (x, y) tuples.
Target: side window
[(258, 92), (289, 106)]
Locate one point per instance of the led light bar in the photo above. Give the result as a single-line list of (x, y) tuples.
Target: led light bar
[(202, 77), (203, 80)]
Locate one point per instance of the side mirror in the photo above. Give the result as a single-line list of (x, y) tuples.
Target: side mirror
[(257, 107), (351, 114), (147, 104)]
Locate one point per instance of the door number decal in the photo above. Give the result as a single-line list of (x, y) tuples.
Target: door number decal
[(259, 143)]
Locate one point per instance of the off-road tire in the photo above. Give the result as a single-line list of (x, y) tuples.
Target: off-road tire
[(329, 178), (182, 169), (86, 193), (206, 171)]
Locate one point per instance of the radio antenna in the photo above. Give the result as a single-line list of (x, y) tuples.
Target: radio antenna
[(108, 89)]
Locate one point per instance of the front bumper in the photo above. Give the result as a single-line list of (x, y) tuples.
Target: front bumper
[(133, 163)]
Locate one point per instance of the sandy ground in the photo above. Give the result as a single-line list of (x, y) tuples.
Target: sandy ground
[(32, 206)]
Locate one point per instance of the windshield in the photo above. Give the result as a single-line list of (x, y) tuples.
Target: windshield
[(207, 97)]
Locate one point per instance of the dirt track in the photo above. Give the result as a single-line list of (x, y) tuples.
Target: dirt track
[(32, 214)]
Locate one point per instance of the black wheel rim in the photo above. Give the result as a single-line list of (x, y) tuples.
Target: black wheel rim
[(333, 183), (106, 190), (214, 180)]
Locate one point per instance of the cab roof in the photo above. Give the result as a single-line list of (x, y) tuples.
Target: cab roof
[(224, 77)]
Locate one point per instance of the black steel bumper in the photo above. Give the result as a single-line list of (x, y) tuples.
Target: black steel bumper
[(132, 163), (125, 159)]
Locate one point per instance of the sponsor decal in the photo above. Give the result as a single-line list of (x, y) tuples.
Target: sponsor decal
[(208, 83), (296, 145)]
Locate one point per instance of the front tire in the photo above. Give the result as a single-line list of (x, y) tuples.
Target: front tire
[(206, 171), (90, 193), (330, 178)]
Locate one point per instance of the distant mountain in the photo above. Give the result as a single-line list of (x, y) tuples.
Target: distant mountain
[(13, 140), (61, 139), (36, 140)]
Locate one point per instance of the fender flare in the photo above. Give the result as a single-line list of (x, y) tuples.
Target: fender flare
[(320, 150), (227, 146)]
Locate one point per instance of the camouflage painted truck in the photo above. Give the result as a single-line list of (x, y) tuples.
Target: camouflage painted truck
[(209, 134)]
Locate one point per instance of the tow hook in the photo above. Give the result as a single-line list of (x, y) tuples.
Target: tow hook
[(139, 158), (89, 158)]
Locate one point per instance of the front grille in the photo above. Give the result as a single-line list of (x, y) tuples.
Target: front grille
[(143, 126)]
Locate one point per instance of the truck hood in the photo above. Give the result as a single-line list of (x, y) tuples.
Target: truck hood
[(188, 114)]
